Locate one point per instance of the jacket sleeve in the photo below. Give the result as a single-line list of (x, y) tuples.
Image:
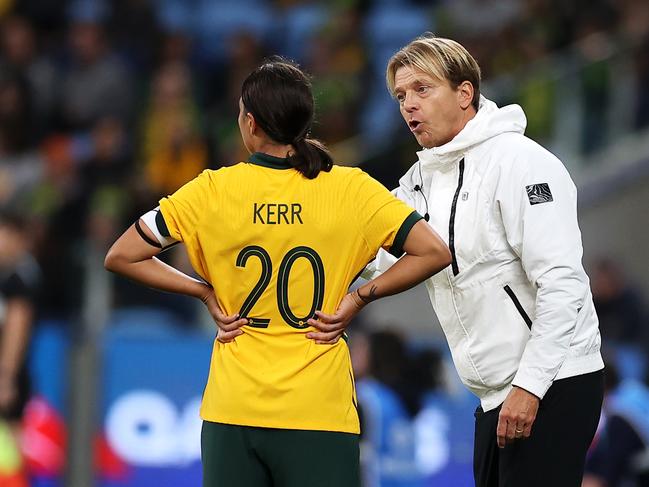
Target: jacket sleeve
[(538, 205), (384, 260)]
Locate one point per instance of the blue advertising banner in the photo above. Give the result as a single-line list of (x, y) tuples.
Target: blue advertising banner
[(152, 389), (44, 429), (444, 432), (149, 431), (433, 448)]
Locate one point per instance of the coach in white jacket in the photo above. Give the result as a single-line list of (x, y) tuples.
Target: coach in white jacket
[(515, 305)]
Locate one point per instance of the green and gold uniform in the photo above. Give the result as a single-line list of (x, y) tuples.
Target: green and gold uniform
[(277, 246)]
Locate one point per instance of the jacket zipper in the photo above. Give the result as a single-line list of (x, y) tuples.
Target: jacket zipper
[(451, 223), (519, 307)]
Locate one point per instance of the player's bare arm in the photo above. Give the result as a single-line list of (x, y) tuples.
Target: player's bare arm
[(134, 257), (425, 255)]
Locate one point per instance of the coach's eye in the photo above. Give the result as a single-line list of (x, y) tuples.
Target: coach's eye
[(423, 89), (401, 97)]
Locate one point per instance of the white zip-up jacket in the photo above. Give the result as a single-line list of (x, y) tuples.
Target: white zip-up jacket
[(515, 305)]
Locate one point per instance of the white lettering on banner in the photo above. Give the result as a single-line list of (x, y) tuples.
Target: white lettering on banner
[(145, 428), (432, 445)]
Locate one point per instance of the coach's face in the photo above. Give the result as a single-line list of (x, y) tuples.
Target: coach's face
[(434, 111)]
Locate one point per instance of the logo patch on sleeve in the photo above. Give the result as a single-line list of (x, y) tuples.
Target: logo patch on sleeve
[(539, 193)]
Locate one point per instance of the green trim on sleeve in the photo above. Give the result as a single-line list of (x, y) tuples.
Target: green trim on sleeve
[(404, 230), (162, 224)]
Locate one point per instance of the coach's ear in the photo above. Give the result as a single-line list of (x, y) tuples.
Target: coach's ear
[(465, 94)]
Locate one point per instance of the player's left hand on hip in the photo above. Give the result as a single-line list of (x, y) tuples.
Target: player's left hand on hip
[(517, 416), (331, 327), (229, 327)]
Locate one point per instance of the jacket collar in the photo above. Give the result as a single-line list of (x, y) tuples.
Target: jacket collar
[(489, 122)]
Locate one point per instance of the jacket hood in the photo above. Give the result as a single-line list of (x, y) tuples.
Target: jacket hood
[(489, 122)]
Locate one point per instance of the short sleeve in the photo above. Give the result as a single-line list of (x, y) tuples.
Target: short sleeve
[(384, 220), (181, 212)]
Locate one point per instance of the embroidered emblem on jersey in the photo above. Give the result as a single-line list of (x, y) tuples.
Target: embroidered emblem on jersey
[(539, 193)]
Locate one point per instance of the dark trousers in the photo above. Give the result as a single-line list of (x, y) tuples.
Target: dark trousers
[(554, 455)]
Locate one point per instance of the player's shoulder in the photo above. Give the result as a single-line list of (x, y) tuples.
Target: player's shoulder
[(338, 170), (216, 176), (348, 173), (353, 181)]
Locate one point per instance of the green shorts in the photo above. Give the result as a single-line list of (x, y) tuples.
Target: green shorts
[(245, 456)]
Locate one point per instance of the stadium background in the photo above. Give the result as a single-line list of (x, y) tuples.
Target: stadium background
[(107, 105)]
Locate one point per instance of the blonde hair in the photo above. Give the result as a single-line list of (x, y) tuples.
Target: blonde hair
[(438, 57)]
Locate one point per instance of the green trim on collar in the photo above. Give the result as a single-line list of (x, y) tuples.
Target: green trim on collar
[(265, 160)]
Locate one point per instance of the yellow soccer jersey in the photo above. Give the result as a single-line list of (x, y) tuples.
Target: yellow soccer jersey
[(277, 246)]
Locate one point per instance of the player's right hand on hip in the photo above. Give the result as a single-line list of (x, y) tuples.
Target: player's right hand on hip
[(331, 327)]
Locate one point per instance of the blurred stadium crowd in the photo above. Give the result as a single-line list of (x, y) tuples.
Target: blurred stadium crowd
[(107, 106)]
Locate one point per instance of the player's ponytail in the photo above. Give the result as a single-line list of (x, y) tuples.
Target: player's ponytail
[(278, 94), (310, 157)]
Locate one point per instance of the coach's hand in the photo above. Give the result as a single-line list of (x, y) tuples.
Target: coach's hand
[(229, 327), (516, 417), (332, 327)]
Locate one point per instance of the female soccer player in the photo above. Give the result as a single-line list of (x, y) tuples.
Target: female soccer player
[(276, 240)]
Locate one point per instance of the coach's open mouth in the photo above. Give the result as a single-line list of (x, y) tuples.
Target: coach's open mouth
[(413, 124)]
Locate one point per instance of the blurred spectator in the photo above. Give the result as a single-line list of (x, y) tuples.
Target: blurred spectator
[(479, 17), (46, 14), (20, 165), (95, 84), (387, 401), (641, 65), (619, 456), (79, 171), (20, 52), (634, 19), (176, 49), (96, 182), (110, 162), (15, 113), (620, 308), (244, 54), (414, 429), (301, 22), (337, 60), (444, 438), (537, 92), (66, 110), (19, 281), (594, 47), (134, 28), (173, 149), (215, 24), (383, 37)]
